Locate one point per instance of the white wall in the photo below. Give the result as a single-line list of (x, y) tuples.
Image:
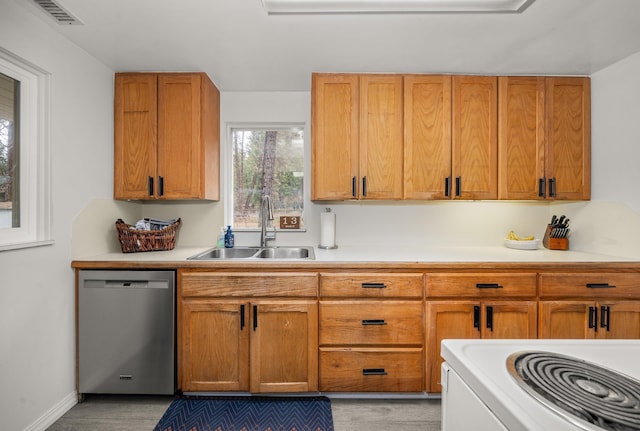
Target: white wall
[(37, 353), (610, 223)]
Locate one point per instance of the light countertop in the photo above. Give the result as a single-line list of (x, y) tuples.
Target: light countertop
[(415, 255)]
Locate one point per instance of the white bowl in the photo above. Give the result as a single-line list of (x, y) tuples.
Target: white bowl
[(532, 244)]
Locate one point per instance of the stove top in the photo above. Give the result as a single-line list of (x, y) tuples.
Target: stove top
[(583, 392), (482, 366)]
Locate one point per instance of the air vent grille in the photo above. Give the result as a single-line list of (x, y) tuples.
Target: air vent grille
[(57, 12)]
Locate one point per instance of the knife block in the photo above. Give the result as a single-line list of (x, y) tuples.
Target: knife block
[(554, 243)]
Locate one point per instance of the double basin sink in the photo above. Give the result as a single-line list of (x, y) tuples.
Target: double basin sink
[(245, 253)]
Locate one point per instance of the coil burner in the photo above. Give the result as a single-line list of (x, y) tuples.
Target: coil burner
[(588, 395)]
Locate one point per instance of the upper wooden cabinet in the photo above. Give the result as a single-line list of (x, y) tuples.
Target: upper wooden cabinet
[(544, 138), (474, 140), (166, 136), (427, 136), (357, 137), (464, 137), (450, 137)]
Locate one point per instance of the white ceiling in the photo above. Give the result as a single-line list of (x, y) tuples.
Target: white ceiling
[(244, 49)]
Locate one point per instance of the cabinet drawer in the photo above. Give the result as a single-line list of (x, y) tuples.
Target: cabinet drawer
[(371, 370), (371, 285), (371, 322), (230, 284), (481, 285), (585, 285)]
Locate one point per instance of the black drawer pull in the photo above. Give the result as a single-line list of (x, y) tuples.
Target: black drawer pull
[(593, 318), (374, 286), (374, 372), (605, 317), (476, 317), (600, 286), (366, 322), (488, 286)]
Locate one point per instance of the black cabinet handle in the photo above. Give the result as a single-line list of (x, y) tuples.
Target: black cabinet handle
[(364, 186), (605, 317), (373, 286), (161, 186), (600, 286), (488, 286), (552, 187), (458, 186), (490, 318), (150, 186), (476, 317), (541, 187), (593, 318), (366, 322), (242, 317), (353, 186), (255, 317), (374, 372), (447, 186)]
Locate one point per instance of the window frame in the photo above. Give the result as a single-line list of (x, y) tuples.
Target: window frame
[(35, 155), (229, 174)]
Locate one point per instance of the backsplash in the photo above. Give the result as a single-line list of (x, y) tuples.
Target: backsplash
[(457, 224)]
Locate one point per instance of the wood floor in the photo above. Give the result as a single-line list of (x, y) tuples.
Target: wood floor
[(120, 413)]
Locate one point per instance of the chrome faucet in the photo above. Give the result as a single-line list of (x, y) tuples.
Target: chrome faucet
[(266, 215)]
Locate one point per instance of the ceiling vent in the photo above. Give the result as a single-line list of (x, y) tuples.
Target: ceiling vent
[(57, 12)]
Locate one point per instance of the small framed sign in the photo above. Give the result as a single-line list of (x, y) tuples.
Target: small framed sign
[(290, 222)]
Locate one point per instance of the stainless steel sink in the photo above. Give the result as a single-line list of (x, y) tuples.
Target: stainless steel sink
[(305, 253), (285, 253)]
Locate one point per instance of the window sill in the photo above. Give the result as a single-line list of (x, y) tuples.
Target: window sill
[(7, 247)]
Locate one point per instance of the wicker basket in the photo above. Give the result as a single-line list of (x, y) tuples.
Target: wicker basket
[(133, 240)]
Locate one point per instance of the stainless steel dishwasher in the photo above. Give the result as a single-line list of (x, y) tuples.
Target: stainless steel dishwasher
[(126, 332)]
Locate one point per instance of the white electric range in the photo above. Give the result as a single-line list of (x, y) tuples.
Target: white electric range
[(509, 385)]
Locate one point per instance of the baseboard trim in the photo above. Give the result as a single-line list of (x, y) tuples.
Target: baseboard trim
[(54, 413)]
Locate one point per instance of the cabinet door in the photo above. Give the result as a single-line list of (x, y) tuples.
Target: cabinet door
[(447, 319), (619, 319), (179, 155), (135, 139), (567, 319), (568, 125), (510, 319), (213, 345), (474, 137), (521, 169), (284, 346), (427, 136), (381, 137), (334, 136)]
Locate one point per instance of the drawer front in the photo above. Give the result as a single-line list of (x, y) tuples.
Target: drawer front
[(481, 285), (370, 370), (371, 285), (230, 284), (371, 322), (596, 285)]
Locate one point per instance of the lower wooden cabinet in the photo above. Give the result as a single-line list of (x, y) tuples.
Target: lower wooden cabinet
[(350, 331), (250, 343), (371, 332), (590, 319), (590, 305), (256, 346), (474, 319)]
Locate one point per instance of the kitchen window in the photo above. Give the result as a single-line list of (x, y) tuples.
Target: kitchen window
[(266, 161), (24, 154)]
